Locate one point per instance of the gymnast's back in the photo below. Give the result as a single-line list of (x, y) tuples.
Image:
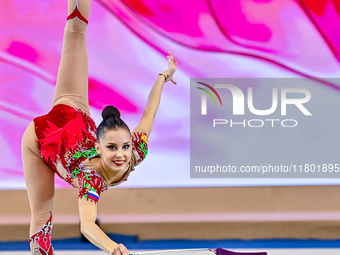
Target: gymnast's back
[(66, 138)]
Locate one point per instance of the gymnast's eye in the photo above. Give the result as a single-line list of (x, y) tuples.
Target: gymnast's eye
[(126, 146), (111, 147)]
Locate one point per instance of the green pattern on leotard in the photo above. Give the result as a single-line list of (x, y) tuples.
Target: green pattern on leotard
[(143, 147), (85, 154), (76, 172)]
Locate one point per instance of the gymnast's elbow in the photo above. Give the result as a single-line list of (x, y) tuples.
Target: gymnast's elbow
[(85, 227)]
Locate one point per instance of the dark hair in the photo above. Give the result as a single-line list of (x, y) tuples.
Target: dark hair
[(111, 120)]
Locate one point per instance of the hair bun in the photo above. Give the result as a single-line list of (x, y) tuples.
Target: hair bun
[(110, 111)]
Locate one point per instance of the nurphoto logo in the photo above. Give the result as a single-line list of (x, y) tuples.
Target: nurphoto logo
[(239, 104)]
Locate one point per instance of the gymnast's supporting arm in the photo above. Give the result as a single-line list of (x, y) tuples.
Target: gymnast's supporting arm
[(88, 209), (88, 214), (146, 123)]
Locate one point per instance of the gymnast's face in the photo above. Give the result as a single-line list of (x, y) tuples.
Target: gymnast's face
[(115, 149)]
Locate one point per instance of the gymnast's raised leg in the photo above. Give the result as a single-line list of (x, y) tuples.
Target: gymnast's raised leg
[(71, 89), (72, 79)]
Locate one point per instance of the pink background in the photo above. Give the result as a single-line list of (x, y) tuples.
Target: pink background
[(127, 45)]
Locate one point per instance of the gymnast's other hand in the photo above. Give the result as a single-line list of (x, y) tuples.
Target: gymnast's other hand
[(171, 69), (120, 250)]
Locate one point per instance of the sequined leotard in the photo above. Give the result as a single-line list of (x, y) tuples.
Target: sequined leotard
[(66, 138)]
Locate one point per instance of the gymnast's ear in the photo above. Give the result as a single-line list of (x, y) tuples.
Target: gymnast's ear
[(96, 145)]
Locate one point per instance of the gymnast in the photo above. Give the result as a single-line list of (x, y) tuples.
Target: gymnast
[(66, 142)]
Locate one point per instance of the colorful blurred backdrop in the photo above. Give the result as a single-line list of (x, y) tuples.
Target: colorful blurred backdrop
[(127, 44)]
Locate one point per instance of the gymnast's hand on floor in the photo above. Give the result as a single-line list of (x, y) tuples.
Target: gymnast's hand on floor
[(120, 250), (172, 68)]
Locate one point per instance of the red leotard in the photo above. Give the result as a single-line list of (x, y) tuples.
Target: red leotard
[(66, 138)]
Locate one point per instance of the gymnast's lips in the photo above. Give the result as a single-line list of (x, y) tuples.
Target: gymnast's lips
[(119, 162)]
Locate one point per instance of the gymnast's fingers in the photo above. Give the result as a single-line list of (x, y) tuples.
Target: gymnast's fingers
[(123, 249), (120, 250), (173, 81)]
